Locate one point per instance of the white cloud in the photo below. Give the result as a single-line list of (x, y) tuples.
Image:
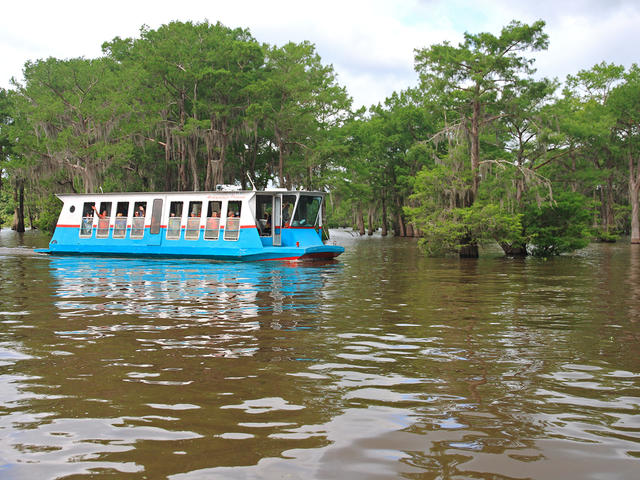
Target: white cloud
[(370, 43)]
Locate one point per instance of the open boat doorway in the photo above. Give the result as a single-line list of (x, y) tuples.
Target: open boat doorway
[(277, 220)]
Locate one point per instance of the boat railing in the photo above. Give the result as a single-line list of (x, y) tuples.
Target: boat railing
[(120, 227), (103, 227), (173, 228), (232, 229), (193, 228), (137, 227), (86, 226), (212, 231)]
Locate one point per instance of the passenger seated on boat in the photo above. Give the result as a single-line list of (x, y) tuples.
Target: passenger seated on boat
[(140, 212), (264, 226)]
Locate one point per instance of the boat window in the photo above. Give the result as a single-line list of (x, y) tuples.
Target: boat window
[(104, 217), (87, 219), (193, 222), (137, 227), (175, 219), (175, 209), (122, 209), (156, 216), (288, 204), (212, 230), (307, 211), (140, 209), (232, 227), (120, 222), (264, 210), (195, 209)]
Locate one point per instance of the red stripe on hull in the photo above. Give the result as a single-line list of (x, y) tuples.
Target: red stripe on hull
[(308, 256)]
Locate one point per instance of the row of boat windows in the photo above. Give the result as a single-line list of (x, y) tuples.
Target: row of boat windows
[(302, 211), (176, 209)]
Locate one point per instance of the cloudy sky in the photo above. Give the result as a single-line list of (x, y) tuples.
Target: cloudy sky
[(370, 43)]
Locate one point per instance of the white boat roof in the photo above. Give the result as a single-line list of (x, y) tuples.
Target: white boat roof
[(190, 194)]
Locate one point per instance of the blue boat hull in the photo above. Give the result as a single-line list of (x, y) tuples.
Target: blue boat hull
[(297, 244)]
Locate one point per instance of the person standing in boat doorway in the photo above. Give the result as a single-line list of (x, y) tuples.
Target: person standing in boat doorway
[(286, 213)]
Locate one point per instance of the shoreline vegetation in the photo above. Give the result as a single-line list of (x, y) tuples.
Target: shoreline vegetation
[(481, 151)]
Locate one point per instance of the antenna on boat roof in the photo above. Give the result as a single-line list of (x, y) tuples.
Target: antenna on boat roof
[(252, 184)]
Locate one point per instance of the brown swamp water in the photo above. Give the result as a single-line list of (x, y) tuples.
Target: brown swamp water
[(382, 365)]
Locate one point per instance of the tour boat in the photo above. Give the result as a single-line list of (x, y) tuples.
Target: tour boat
[(226, 224)]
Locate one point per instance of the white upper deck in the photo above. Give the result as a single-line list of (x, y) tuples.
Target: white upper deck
[(225, 203)]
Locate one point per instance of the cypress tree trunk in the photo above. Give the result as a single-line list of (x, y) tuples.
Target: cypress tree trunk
[(469, 251), (401, 230), (18, 197), (635, 223), (360, 220), (514, 250), (634, 186), (610, 217), (409, 230), (370, 222), (475, 148), (182, 167), (384, 217)]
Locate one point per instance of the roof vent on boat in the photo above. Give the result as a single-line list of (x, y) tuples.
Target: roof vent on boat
[(228, 188)]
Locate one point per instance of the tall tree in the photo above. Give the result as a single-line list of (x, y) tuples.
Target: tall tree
[(625, 104), (194, 85), (471, 79), (305, 100), (71, 120), (589, 129)]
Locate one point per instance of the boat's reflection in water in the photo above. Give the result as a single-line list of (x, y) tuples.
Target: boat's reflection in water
[(112, 294)]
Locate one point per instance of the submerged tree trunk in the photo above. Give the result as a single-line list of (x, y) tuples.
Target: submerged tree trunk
[(18, 215), (384, 217), (370, 222), (469, 251), (634, 187), (514, 250), (633, 199), (409, 230), (31, 218), (360, 220), (401, 230), (610, 216)]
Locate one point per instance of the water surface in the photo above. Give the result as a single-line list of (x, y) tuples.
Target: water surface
[(381, 365)]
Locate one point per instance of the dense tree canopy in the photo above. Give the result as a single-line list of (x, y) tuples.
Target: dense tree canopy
[(482, 151)]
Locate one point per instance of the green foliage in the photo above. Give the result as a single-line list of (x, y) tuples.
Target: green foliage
[(558, 227), (6, 207), (49, 211), (447, 230)]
